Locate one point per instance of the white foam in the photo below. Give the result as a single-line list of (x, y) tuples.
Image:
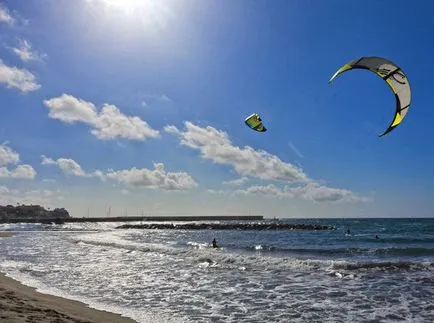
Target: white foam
[(185, 280)]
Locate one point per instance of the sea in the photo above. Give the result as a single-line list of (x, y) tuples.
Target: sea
[(381, 271)]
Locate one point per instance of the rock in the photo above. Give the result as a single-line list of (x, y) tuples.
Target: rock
[(227, 226)]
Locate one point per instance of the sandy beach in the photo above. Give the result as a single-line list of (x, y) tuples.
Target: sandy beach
[(19, 303)]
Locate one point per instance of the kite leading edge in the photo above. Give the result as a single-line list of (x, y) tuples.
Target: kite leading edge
[(395, 78)]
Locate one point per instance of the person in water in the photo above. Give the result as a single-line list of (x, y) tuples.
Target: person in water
[(214, 243)]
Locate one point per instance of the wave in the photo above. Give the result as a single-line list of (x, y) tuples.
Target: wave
[(386, 265), (393, 251), (119, 243), (399, 239), (202, 256), (22, 227), (86, 227)]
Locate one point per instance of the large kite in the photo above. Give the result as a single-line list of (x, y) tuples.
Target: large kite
[(393, 75), (254, 122)]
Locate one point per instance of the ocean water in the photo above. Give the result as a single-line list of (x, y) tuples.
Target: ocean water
[(257, 276)]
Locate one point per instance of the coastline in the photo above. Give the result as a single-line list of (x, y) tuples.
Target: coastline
[(20, 303)]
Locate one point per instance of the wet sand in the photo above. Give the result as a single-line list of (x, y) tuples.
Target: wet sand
[(20, 303)]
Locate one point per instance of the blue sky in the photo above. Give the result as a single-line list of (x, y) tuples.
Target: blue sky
[(139, 105)]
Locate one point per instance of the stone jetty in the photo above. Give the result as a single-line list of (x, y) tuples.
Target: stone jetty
[(259, 226)]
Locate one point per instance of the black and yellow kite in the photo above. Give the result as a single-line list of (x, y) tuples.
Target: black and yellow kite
[(395, 78), (254, 122)]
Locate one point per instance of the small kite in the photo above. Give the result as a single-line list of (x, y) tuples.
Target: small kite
[(254, 122), (395, 78)]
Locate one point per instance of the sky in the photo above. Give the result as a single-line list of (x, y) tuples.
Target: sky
[(138, 107)]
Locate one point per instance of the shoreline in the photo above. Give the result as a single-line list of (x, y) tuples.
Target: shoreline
[(21, 303)]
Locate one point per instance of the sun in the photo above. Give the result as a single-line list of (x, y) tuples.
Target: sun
[(150, 15), (128, 6)]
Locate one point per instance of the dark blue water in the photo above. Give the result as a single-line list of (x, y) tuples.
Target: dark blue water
[(369, 239)]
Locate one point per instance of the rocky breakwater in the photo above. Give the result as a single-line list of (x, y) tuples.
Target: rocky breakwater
[(227, 226)]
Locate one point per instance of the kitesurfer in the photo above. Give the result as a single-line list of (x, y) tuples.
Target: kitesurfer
[(214, 243)]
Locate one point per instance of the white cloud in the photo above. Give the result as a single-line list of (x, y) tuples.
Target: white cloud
[(68, 166), (41, 197), (319, 193), (70, 109), (156, 178), (134, 177), (4, 190), (312, 191), (236, 182), (20, 172), (25, 52), (109, 123), (216, 146), (99, 174), (20, 79), (268, 190), (8, 156), (154, 98), (47, 161), (172, 130), (24, 171), (5, 16)]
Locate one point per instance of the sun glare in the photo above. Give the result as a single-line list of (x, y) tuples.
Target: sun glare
[(128, 6), (148, 12)]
